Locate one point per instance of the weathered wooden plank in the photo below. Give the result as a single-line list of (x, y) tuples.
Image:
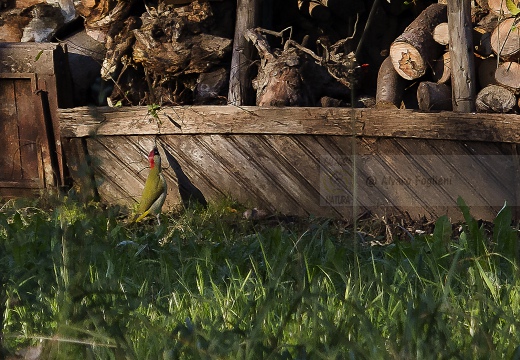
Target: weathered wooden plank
[(85, 121), (10, 167), (30, 124), (306, 168), (310, 174)]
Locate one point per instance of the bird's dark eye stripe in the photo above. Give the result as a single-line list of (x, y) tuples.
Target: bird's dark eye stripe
[(155, 151)]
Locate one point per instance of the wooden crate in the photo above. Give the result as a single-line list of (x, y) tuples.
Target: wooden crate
[(295, 160), (29, 128)]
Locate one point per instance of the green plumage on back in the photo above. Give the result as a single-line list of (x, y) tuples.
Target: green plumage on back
[(154, 192)]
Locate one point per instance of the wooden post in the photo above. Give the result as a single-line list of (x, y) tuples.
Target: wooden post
[(240, 88), (461, 55)]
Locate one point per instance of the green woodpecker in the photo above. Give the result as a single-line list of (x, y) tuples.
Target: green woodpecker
[(154, 192)]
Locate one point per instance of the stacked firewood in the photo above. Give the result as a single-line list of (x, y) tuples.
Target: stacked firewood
[(171, 54), (155, 52), (420, 55)]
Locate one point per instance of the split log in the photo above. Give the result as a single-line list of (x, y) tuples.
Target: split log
[(461, 56), (415, 49), (240, 91), (442, 69), (505, 40), (99, 15), (441, 34), (37, 22), (488, 22), (314, 9), (390, 86), (433, 96), (507, 74), (494, 98), (33, 20), (482, 41), (486, 72)]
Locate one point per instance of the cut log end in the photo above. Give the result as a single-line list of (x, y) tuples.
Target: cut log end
[(441, 34), (505, 39), (407, 60), (508, 75), (415, 48), (433, 96), (494, 98)]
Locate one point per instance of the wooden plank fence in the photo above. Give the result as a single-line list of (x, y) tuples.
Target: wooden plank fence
[(303, 161)]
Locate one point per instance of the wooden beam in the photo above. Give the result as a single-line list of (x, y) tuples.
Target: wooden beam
[(461, 55), (240, 89), (191, 120)]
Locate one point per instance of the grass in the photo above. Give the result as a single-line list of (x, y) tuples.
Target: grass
[(208, 284)]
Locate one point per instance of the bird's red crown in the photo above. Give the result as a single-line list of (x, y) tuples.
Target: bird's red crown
[(151, 155)]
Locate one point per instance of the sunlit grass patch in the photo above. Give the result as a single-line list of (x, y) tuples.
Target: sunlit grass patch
[(207, 283)]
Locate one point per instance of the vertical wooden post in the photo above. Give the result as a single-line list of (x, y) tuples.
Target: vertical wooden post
[(461, 54), (240, 89)]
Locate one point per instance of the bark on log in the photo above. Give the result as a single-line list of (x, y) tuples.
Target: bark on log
[(505, 40), (442, 69), (432, 96), (461, 55), (415, 49), (390, 86), (508, 75), (441, 34), (486, 72), (494, 98), (240, 90)]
